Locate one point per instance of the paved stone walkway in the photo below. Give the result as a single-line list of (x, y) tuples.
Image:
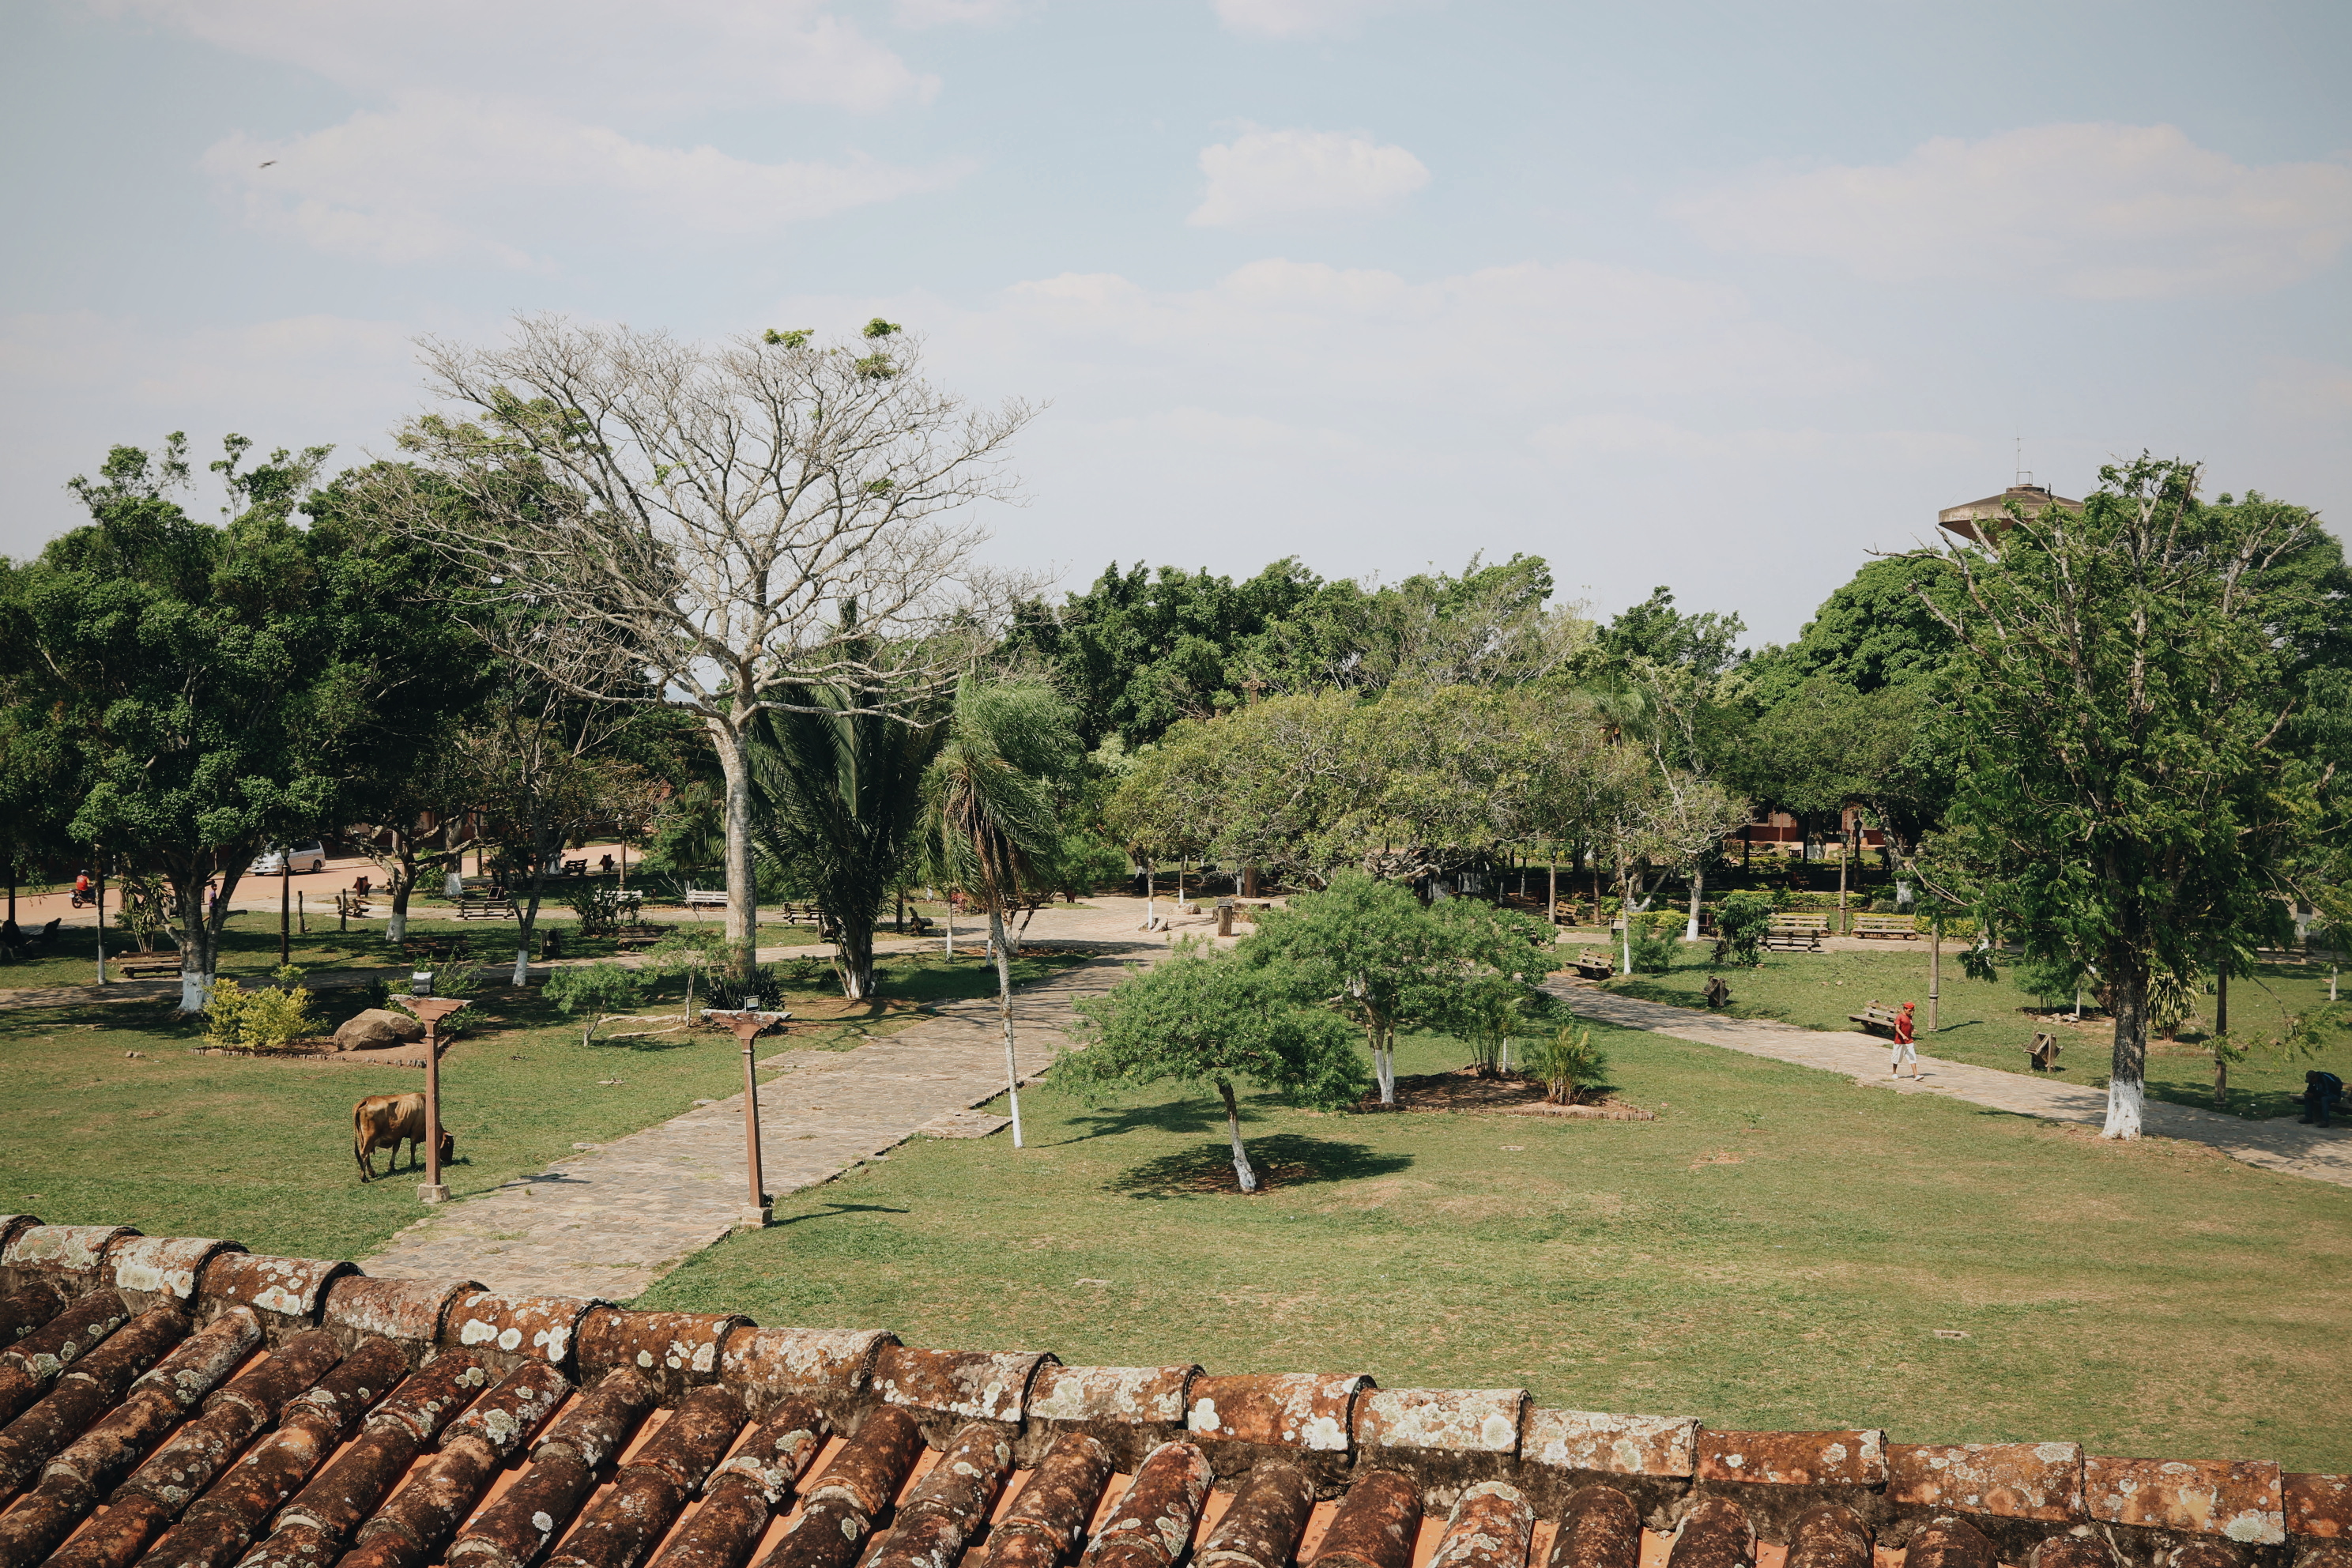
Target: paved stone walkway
[(2323, 1154), (619, 1216)]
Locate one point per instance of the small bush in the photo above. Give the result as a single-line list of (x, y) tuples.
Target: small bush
[(268, 1020), (1652, 950), (596, 989), (1569, 1064)]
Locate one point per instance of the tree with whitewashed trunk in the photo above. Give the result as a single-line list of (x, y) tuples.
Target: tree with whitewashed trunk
[(2131, 719), (1374, 955), (1212, 1020), (714, 510), (993, 811)]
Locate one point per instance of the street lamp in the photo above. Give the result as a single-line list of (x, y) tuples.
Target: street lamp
[(747, 1025), (430, 1010)]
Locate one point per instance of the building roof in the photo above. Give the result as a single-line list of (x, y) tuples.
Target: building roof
[(177, 1403), (1972, 520)]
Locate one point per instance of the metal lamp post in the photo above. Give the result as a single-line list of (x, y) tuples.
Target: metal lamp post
[(430, 1010), (747, 1025)]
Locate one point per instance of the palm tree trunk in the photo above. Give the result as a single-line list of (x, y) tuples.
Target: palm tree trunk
[(1233, 1126), (1004, 1011)]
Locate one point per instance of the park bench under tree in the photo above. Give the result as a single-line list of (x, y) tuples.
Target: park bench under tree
[(1875, 1016), (706, 898), (1890, 926), (486, 906), (1794, 934)]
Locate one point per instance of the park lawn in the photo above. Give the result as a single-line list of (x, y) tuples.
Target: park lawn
[(1990, 1023), (260, 1151), (249, 945), (1777, 1250)]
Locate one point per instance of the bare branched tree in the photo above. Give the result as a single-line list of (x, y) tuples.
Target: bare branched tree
[(747, 521)]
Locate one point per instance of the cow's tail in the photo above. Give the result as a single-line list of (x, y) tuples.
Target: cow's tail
[(358, 1149)]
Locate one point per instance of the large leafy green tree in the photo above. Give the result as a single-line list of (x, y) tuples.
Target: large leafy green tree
[(196, 691), (1211, 1019), (2131, 779)]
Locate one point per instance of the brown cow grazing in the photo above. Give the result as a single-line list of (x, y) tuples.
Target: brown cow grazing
[(387, 1121)]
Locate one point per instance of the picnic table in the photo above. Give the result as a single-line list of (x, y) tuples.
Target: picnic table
[(1591, 966)]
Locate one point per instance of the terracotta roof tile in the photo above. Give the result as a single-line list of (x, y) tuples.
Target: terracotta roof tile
[(177, 1403)]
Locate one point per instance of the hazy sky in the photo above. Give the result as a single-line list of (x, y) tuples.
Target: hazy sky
[(1720, 296)]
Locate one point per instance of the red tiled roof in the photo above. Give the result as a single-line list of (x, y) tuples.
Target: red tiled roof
[(176, 1403)]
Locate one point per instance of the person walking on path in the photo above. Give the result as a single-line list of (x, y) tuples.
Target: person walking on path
[(1903, 1050)]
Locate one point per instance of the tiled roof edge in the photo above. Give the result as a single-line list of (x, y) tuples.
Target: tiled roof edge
[(1343, 1419)]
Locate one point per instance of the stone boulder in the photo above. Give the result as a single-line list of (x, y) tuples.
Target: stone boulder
[(376, 1029)]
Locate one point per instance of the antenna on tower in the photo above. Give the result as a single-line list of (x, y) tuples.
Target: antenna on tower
[(2024, 478)]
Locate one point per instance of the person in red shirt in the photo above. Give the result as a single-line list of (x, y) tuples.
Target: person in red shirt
[(1902, 1049)]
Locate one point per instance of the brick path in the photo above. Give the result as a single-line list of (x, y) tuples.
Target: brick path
[(619, 1216), (2322, 1154)]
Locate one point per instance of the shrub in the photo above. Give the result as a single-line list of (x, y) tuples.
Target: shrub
[(599, 909), (268, 1020), (1569, 1065), (1741, 921), (598, 990), (1652, 949)]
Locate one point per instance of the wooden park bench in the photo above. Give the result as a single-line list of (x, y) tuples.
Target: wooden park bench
[(794, 914), (1591, 966), (636, 939), (576, 868), (1794, 934), (2043, 1053), (1890, 926), (1875, 1016), (706, 898), (149, 968), (1718, 993), (486, 906)]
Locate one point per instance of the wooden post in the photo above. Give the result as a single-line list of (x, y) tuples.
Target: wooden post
[(1935, 967), (746, 1025), (2222, 1031), (285, 907), (431, 1010), (100, 888)]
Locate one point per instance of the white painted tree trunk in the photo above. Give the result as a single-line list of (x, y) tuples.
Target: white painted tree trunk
[(1698, 886), (1242, 1170), (1004, 1011), (2124, 1103), (742, 886), (453, 882)]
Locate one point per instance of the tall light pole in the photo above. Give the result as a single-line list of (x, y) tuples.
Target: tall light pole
[(747, 1025), (430, 1010)]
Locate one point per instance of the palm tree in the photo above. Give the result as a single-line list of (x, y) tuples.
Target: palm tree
[(994, 814), (837, 799)]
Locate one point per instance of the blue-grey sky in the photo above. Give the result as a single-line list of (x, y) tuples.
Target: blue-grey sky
[(1720, 296)]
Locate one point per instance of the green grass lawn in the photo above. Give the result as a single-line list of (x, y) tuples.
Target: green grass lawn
[(260, 1151), (1989, 1023), (1777, 1250), (250, 944)]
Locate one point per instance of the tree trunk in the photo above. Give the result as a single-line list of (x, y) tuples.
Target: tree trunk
[(1004, 1010), (396, 930), (1384, 1063), (195, 973), (854, 956), (947, 916), (1698, 887), (1935, 970), (1551, 884), (2220, 1037), (1233, 1126), (742, 889), (2127, 1076)]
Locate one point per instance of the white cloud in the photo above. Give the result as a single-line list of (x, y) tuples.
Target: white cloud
[(438, 178), (961, 13), (1269, 175), (2099, 212), (1300, 19), (620, 54)]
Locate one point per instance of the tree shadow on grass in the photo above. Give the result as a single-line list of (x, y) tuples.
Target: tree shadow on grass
[(1169, 1116), (835, 1211), (1281, 1159)]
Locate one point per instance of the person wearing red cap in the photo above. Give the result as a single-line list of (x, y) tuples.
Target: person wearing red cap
[(1903, 1051)]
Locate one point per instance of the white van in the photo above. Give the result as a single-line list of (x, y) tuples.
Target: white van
[(272, 862)]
